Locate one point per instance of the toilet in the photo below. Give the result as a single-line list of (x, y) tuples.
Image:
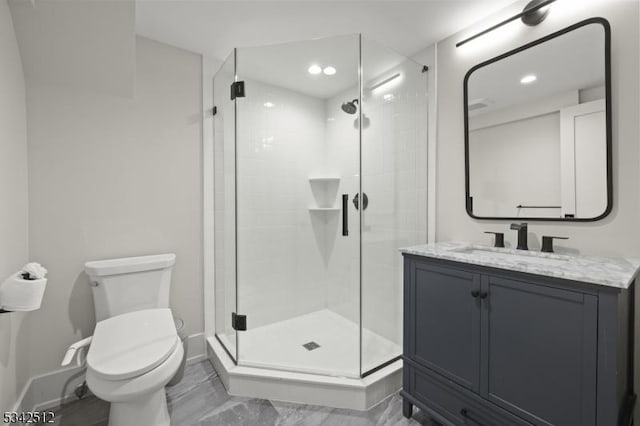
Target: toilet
[(135, 350)]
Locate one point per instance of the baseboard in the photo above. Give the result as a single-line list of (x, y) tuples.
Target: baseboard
[(57, 387), (196, 348), (49, 389)]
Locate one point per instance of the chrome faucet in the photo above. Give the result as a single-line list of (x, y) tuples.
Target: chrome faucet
[(522, 235)]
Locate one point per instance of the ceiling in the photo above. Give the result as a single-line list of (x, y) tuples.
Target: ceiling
[(214, 27), (572, 61)]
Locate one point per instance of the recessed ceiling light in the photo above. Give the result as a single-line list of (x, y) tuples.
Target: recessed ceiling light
[(329, 70), (269, 104), (528, 79), (388, 97), (314, 69)]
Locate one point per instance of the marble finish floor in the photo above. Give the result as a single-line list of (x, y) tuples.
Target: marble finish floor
[(200, 399)]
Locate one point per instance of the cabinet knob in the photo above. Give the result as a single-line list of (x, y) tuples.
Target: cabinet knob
[(484, 295), (475, 294)]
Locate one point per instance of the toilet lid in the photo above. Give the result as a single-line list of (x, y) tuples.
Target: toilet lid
[(131, 344)]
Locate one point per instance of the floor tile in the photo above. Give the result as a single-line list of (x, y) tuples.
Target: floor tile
[(300, 414), (242, 411), (88, 411), (201, 399)]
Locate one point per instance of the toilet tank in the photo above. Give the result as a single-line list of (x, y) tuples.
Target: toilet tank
[(130, 284)]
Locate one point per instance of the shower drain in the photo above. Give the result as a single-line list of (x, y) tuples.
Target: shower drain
[(311, 346)]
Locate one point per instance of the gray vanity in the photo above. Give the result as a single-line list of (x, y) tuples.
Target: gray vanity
[(496, 336)]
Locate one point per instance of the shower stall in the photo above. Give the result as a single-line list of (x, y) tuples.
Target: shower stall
[(320, 175)]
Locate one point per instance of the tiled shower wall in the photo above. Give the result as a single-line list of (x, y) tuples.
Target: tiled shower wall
[(280, 142)]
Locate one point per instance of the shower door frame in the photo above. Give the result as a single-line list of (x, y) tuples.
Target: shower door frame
[(238, 112)]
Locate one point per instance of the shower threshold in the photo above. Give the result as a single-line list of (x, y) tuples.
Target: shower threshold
[(275, 364)]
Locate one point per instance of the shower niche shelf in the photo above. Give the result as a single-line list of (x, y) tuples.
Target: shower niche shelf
[(325, 191), (324, 209), (325, 180)]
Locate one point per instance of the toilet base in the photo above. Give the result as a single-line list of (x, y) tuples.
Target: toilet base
[(150, 409)]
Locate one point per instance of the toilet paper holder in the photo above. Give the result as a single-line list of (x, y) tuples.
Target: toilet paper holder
[(18, 294)]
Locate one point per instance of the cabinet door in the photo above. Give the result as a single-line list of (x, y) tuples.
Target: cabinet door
[(442, 321), (539, 351)]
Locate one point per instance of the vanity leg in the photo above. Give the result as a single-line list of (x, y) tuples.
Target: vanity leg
[(407, 408)]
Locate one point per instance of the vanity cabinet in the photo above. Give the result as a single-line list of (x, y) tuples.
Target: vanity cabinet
[(484, 346)]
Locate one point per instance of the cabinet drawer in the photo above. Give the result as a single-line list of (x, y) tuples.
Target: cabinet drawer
[(453, 402)]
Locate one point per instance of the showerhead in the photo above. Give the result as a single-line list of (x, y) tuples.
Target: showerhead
[(350, 107)]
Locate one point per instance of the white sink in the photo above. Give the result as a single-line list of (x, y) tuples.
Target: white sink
[(514, 257)]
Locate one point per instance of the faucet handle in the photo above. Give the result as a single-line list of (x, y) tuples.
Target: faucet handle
[(499, 240), (547, 243)]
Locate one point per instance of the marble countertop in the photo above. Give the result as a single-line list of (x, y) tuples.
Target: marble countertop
[(610, 272)]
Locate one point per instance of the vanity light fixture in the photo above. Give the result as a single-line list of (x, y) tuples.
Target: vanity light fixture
[(314, 69), (533, 13), (534, 17), (329, 70), (527, 79)]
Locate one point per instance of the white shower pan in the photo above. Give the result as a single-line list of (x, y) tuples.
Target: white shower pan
[(304, 388)]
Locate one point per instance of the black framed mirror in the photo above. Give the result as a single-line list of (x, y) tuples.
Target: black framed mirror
[(538, 129)]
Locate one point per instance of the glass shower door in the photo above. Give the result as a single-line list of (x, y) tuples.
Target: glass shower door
[(224, 206), (298, 231), (394, 179)]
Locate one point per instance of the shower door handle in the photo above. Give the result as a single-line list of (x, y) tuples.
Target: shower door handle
[(345, 215), (365, 201)]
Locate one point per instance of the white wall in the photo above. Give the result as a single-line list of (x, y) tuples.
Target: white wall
[(616, 235), (14, 232), (428, 56), (74, 43), (209, 68), (113, 176)]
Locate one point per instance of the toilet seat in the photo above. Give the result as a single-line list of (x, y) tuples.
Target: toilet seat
[(132, 344)]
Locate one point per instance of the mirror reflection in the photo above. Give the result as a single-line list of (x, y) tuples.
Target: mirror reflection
[(537, 144)]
